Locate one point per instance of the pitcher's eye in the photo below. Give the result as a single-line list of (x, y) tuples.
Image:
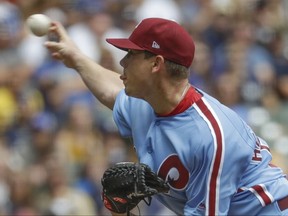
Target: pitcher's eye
[(129, 53), (133, 52)]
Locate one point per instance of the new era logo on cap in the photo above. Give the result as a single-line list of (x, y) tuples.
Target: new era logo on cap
[(176, 43), (155, 45)]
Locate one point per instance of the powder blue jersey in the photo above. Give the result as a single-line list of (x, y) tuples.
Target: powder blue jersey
[(214, 163)]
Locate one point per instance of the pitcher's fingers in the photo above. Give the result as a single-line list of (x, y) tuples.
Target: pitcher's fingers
[(59, 29), (57, 56), (53, 46)]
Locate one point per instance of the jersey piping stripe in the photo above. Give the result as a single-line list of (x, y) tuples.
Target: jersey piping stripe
[(262, 194), (213, 184)]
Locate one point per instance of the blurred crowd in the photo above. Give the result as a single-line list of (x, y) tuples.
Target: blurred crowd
[(56, 139)]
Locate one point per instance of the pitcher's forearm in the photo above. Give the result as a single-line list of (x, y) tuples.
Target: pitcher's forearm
[(103, 83)]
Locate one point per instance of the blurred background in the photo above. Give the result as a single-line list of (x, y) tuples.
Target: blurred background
[(56, 139)]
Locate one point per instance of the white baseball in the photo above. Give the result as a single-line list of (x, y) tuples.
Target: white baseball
[(38, 24)]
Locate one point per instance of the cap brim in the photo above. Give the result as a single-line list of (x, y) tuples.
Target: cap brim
[(123, 44)]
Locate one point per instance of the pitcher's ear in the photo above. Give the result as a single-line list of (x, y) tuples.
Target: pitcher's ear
[(158, 62)]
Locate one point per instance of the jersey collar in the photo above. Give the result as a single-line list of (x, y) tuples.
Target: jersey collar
[(191, 96)]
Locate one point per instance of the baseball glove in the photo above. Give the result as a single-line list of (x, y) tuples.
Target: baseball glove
[(125, 184)]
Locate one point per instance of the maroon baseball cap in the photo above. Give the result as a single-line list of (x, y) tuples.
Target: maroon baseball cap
[(161, 37)]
